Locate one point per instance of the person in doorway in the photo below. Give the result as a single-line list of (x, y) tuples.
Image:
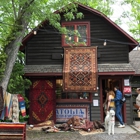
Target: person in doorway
[(118, 106), (105, 104), (111, 96), (137, 105)]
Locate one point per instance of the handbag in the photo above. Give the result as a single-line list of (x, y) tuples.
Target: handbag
[(123, 100)]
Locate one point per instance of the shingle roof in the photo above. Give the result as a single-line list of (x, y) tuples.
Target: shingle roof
[(134, 58), (59, 68), (43, 69), (125, 67)]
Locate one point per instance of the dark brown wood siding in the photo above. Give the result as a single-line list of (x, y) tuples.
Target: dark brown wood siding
[(95, 110), (47, 43)]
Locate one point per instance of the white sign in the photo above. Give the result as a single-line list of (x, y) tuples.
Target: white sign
[(126, 82), (95, 103)]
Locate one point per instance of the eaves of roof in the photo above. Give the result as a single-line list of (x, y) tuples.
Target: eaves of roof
[(57, 70)]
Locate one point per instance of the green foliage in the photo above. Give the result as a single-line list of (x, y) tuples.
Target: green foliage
[(2, 63), (133, 15), (18, 83), (23, 119), (103, 6)]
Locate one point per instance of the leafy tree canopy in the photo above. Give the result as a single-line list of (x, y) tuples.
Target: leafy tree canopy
[(133, 16)]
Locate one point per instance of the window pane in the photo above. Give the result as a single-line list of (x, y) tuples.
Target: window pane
[(82, 29), (58, 88), (69, 38), (69, 95)]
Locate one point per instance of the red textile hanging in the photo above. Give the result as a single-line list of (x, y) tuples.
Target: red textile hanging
[(42, 102)]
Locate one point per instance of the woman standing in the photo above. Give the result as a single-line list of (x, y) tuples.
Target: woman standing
[(105, 104), (111, 96)]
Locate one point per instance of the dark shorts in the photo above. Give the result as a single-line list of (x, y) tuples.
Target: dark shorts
[(112, 108)]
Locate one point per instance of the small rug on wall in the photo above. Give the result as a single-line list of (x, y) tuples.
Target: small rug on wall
[(80, 69)]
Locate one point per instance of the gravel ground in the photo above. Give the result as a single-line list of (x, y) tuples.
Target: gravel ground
[(36, 135)]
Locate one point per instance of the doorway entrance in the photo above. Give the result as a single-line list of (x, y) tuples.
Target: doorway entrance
[(109, 82)]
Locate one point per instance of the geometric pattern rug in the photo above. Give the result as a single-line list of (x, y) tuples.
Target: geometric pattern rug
[(42, 102), (80, 69)]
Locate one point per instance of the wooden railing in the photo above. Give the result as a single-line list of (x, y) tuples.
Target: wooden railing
[(12, 131)]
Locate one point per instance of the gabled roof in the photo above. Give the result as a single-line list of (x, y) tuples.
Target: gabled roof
[(134, 58), (131, 40)]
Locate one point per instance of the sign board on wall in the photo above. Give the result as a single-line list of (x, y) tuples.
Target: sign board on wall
[(95, 103), (64, 113), (126, 82), (127, 90)]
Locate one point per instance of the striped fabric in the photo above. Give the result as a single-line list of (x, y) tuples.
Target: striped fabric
[(22, 105), (7, 106)]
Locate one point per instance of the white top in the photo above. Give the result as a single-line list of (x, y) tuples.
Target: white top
[(138, 100)]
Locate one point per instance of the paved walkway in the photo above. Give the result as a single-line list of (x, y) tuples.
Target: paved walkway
[(130, 132)]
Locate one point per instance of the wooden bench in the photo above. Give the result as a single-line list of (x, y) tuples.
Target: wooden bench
[(12, 131)]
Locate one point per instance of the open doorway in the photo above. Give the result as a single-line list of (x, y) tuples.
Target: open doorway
[(110, 83)]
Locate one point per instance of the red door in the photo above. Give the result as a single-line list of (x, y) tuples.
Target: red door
[(42, 102)]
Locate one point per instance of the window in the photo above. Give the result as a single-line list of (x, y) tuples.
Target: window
[(69, 95), (78, 34)]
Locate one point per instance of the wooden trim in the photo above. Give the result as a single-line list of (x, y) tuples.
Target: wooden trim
[(117, 73), (43, 74), (99, 73), (101, 96), (101, 101), (73, 100), (124, 105)]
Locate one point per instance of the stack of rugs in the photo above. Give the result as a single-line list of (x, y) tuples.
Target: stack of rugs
[(73, 124)]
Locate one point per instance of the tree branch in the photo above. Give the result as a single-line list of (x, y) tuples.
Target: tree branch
[(13, 5), (26, 5)]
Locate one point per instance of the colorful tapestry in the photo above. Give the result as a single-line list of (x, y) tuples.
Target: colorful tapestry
[(22, 106), (80, 69), (15, 108), (42, 102), (6, 113)]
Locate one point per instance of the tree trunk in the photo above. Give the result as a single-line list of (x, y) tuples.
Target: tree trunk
[(11, 51)]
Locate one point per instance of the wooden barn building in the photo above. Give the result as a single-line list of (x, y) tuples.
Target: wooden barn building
[(69, 73)]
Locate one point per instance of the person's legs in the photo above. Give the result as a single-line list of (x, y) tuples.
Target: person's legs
[(118, 114), (121, 112)]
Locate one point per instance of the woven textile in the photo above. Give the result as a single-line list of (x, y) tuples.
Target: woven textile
[(22, 106), (7, 111), (15, 108), (42, 102), (80, 69)]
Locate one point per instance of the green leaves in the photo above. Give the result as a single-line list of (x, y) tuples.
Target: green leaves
[(18, 83), (133, 17)]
